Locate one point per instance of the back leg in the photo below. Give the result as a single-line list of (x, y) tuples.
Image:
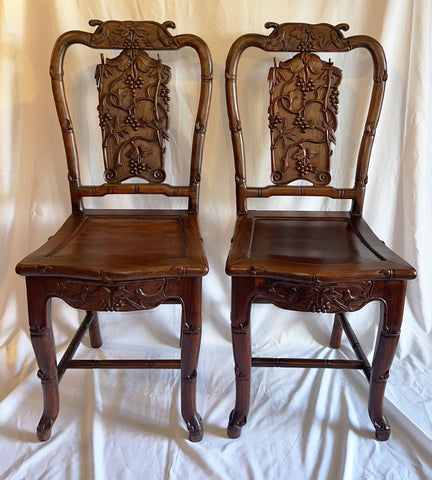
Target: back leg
[(94, 332), (335, 340)]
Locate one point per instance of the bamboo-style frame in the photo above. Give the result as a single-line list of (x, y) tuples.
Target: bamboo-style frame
[(332, 41), (158, 38)]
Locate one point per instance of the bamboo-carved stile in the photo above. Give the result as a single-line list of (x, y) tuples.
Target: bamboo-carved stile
[(133, 115), (302, 118)]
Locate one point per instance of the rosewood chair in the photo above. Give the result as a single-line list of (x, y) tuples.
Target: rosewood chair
[(123, 260), (306, 261)]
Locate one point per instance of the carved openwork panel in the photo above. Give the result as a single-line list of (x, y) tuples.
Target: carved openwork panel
[(302, 118), (324, 299), (133, 115), (111, 297)]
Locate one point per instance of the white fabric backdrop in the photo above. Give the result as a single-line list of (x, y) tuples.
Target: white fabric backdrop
[(302, 424)]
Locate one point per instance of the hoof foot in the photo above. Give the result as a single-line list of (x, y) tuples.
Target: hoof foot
[(43, 431), (236, 422), (382, 430), (196, 436), (233, 432), (382, 434), (194, 426)]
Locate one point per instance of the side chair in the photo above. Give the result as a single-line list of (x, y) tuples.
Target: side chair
[(309, 261), (124, 260)]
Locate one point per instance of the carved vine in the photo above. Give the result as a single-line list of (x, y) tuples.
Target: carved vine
[(303, 37), (133, 115), (304, 99), (105, 297), (129, 34), (329, 299)]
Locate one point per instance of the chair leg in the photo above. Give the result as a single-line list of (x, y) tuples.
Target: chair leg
[(388, 337), (181, 327), (94, 332), (41, 334), (190, 346), (335, 340), (240, 329)]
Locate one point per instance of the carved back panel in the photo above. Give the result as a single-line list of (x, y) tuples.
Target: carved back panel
[(302, 118), (133, 108), (133, 115), (302, 111)]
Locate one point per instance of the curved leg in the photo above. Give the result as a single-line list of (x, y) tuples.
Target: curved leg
[(94, 332), (39, 313), (335, 340), (190, 346), (241, 292), (388, 337)]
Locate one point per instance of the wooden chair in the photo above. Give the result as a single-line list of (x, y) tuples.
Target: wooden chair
[(123, 260), (310, 261)]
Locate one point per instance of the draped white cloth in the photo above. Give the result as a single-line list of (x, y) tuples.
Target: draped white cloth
[(303, 423)]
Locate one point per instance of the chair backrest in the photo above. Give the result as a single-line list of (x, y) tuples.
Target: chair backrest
[(133, 108), (303, 110)]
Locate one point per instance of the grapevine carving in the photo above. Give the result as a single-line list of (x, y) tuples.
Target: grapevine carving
[(303, 37), (129, 34), (302, 118), (105, 297), (326, 299), (133, 115)]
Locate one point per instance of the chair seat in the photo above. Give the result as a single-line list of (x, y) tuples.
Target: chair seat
[(311, 246), (118, 245)]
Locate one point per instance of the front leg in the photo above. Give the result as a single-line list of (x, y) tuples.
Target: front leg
[(41, 334), (190, 346), (388, 336), (241, 294)]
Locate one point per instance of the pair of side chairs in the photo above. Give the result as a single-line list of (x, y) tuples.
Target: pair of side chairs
[(126, 260)]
